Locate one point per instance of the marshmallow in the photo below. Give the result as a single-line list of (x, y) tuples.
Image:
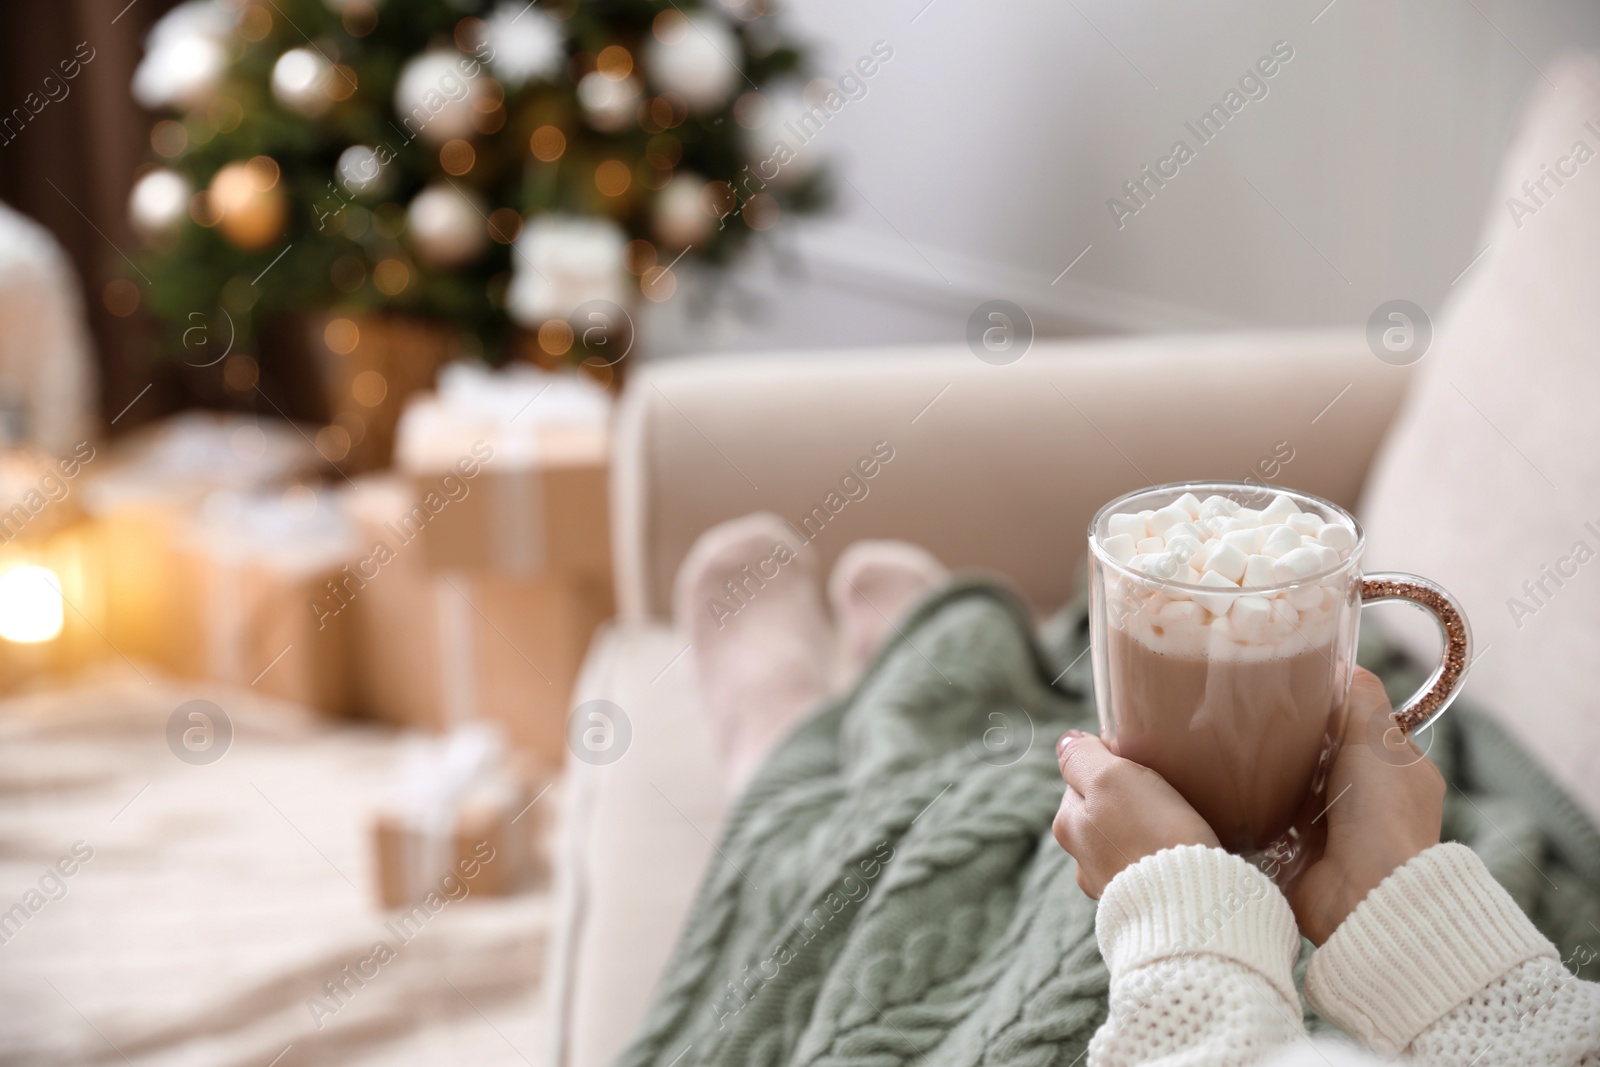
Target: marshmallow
[(1183, 547), (1183, 529), (1305, 597), (1337, 536), (1246, 541), (1166, 566), (1119, 547), (1297, 563), (1216, 603), (1168, 517), (1305, 524), (1251, 616), (1181, 611), (1258, 572), (1227, 561), (1128, 525), (1204, 573), (1276, 540), (1278, 511)]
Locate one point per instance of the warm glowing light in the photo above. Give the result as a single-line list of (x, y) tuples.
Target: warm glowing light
[(30, 604), (613, 177), (547, 143)]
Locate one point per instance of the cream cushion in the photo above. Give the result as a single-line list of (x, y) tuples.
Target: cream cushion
[(1492, 473)]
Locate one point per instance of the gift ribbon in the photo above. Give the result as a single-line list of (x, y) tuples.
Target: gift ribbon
[(434, 781), (458, 660), (516, 520)]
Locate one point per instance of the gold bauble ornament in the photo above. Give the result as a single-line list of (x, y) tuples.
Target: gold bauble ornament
[(248, 203)]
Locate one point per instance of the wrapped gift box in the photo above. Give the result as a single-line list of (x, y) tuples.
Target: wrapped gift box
[(267, 576), (435, 649), (457, 822), (141, 494), (509, 472)]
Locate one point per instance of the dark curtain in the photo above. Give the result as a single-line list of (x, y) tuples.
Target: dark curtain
[(71, 168)]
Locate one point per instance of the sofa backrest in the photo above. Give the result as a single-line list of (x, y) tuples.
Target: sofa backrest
[(998, 468)]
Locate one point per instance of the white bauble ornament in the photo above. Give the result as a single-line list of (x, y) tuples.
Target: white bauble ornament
[(701, 64), (679, 216), (434, 95), (299, 82), (527, 45), (779, 149), (562, 262), (159, 203), (361, 170), (445, 227), (608, 104), (184, 56)]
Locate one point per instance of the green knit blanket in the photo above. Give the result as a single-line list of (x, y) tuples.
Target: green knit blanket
[(887, 890)]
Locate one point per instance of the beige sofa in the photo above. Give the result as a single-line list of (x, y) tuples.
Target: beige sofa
[(995, 468)]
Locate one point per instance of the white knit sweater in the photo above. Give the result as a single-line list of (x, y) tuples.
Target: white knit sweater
[(1438, 964)]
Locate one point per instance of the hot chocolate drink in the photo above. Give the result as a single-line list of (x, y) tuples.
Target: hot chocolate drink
[(1224, 637), (1241, 739), (1226, 655)]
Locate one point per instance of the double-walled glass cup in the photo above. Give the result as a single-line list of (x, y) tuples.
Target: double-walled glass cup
[(1235, 692)]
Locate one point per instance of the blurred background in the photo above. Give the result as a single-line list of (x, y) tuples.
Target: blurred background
[(314, 319)]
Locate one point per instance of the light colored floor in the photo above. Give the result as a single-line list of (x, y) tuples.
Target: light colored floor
[(220, 898)]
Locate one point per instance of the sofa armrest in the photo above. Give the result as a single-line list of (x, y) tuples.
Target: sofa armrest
[(994, 467)]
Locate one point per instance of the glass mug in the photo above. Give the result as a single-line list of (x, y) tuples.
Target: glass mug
[(1236, 694)]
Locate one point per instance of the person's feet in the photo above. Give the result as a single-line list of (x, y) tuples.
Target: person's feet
[(750, 605), (873, 586)]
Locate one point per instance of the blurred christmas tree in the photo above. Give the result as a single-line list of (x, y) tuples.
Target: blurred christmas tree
[(488, 163)]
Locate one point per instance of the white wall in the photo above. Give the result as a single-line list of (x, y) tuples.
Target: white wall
[(980, 161)]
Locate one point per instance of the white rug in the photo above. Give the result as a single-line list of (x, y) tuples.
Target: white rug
[(219, 899)]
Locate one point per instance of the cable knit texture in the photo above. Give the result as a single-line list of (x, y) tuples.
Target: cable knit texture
[(887, 890), (1435, 932)]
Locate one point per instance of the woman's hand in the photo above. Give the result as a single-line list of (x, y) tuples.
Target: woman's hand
[(1387, 804), (1116, 812)]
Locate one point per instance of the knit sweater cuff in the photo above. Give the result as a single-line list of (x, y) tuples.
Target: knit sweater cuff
[(1433, 933), (1193, 900)]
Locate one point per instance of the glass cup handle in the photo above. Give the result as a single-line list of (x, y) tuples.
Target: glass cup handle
[(1440, 690)]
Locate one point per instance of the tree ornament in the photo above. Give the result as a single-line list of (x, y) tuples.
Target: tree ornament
[(680, 218), (362, 171), (528, 45), (778, 146), (159, 203), (609, 103), (446, 227), (248, 203), (300, 82), (435, 93), (698, 58), (184, 58)]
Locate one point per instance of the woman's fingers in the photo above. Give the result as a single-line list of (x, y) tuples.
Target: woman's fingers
[(1087, 764), (1115, 812)]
